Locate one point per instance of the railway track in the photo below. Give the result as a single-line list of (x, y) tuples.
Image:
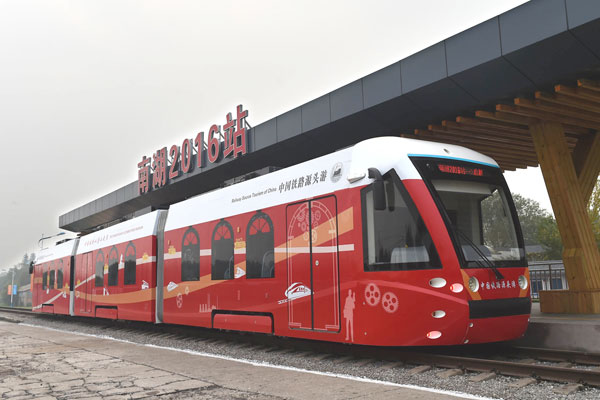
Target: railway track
[(16, 310), (539, 364)]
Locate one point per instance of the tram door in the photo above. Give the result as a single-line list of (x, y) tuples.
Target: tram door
[(86, 278), (312, 261)]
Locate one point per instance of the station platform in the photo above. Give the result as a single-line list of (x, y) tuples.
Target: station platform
[(42, 363), (562, 331)]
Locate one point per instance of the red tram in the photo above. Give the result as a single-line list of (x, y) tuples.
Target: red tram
[(391, 242)]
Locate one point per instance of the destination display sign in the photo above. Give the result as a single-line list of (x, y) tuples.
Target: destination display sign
[(164, 165)]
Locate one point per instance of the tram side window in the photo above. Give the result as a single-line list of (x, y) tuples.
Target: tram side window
[(51, 284), (59, 278), (395, 238), (222, 262), (130, 264), (260, 243), (190, 256), (113, 267), (59, 275), (45, 280), (99, 280)]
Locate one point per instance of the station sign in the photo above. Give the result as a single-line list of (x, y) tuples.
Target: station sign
[(156, 171)]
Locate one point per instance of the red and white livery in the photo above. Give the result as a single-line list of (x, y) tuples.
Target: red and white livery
[(51, 283), (390, 242)]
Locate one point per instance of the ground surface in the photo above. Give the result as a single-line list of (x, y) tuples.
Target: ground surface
[(42, 363)]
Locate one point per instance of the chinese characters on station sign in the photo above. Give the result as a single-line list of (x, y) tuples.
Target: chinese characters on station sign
[(154, 172)]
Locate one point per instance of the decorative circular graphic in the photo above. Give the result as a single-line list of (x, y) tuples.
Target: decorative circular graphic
[(301, 214), (372, 294), (336, 172), (316, 217), (389, 302), (179, 300)]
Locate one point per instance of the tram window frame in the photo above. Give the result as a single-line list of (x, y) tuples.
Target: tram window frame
[(44, 280), (190, 257), (51, 278), (214, 257), (130, 267), (428, 167), (263, 254), (411, 218), (99, 270), (113, 267), (60, 275)]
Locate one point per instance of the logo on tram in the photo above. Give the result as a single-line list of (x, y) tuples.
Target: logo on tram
[(295, 291)]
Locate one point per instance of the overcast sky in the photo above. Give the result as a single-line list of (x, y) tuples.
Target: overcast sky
[(89, 87)]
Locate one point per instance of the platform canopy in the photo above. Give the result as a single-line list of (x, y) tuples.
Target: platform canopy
[(521, 87), (504, 134)]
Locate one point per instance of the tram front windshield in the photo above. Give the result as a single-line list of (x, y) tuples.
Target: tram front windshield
[(479, 212)]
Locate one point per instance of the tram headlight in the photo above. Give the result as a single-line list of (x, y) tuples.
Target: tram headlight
[(522, 282), (434, 335), (473, 284), (456, 287), (437, 283)]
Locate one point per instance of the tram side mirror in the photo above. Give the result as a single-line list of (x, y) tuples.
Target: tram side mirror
[(31, 264), (378, 189)]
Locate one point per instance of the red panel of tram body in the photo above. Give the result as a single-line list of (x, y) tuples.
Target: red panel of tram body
[(191, 293), (50, 289), (115, 274), (250, 323), (101, 288), (51, 279)]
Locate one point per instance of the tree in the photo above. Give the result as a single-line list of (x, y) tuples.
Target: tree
[(21, 277), (530, 215), (549, 237), (538, 227)]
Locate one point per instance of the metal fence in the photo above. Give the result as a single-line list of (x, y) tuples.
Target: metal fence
[(547, 275)]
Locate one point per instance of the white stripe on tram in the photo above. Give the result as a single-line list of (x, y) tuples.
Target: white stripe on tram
[(294, 250)]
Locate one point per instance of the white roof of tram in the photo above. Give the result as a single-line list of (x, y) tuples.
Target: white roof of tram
[(143, 226), (383, 153), (55, 252)]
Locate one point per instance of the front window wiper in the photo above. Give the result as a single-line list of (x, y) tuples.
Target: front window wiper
[(488, 263)]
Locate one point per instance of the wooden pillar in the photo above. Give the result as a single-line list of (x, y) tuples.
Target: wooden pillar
[(586, 158), (580, 255)]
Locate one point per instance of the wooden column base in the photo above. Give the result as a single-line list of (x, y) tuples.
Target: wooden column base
[(570, 301)]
